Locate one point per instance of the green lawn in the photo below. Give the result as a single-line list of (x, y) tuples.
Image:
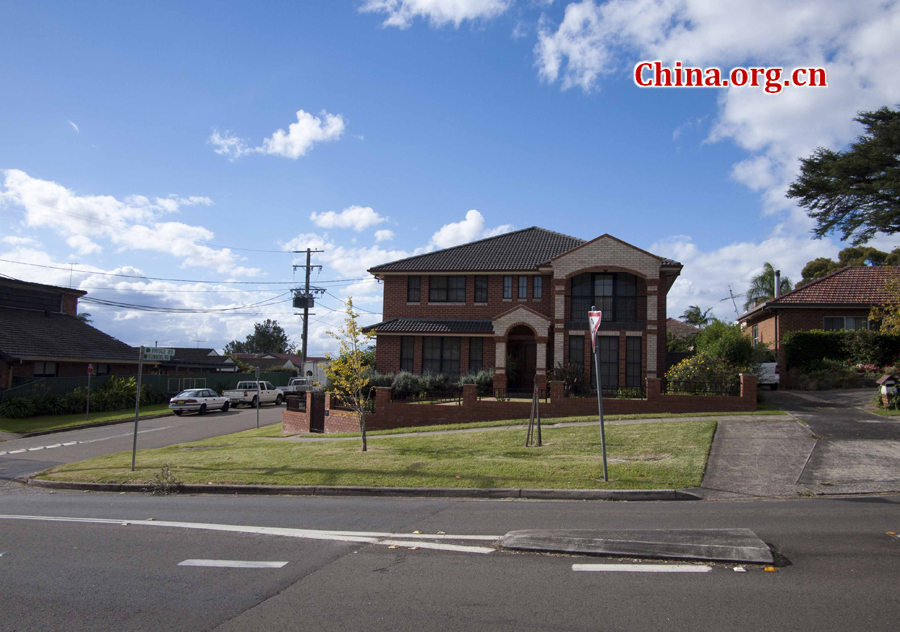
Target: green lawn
[(664, 455), (764, 409), (883, 412), (51, 422)]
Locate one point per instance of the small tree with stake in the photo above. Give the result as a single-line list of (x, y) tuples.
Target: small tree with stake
[(348, 373)]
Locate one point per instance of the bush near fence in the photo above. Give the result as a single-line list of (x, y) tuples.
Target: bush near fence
[(807, 349)]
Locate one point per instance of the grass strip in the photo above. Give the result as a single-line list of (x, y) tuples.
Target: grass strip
[(642, 456), (52, 422)]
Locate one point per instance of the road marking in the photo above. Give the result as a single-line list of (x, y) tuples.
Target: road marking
[(364, 537), (643, 568), (231, 564), (70, 443)]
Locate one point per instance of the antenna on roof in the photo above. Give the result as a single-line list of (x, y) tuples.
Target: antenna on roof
[(198, 342), (733, 302)]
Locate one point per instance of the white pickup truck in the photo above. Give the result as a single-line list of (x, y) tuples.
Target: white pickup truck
[(246, 393), (298, 385)]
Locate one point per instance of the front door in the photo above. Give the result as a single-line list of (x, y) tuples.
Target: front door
[(523, 356)]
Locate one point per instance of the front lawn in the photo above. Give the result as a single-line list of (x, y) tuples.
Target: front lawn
[(646, 456), (52, 422)]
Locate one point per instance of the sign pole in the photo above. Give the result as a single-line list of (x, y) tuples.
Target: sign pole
[(258, 397), (137, 406), (595, 317), (87, 411)]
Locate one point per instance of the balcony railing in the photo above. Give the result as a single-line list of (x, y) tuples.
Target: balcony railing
[(617, 310)]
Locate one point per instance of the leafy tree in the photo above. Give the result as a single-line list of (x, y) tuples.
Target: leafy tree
[(693, 315), (85, 317), (726, 341), (762, 286), (679, 344), (267, 337), (348, 374), (855, 192), (889, 313)]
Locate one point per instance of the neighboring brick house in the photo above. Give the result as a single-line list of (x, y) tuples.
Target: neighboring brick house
[(840, 300), (523, 298), (41, 336)]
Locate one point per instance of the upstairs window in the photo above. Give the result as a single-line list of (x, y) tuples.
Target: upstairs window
[(507, 287), (615, 294), (413, 289), (481, 289), (442, 289), (538, 289), (523, 287)]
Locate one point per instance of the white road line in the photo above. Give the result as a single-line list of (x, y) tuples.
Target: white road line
[(642, 568), (385, 539), (70, 443), (232, 564)]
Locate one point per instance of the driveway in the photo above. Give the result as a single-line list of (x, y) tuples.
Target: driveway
[(832, 446)]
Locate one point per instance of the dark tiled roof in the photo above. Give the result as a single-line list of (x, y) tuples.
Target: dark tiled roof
[(27, 333), (192, 355), (524, 249), (680, 328), (433, 326), (853, 285), (11, 282)]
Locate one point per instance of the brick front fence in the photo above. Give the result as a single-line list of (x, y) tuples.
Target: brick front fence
[(402, 414)]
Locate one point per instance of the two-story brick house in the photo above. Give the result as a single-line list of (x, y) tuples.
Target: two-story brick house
[(518, 303)]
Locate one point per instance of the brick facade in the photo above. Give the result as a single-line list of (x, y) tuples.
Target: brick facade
[(399, 414)]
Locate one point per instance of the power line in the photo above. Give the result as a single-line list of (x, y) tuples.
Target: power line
[(180, 310), (149, 278)]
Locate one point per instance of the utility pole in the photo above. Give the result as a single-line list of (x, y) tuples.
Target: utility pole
[(306, 303)]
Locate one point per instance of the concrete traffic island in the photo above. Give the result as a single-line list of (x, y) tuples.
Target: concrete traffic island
[(719, 545)]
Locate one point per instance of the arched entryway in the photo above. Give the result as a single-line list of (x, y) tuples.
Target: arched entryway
[(521, 358)]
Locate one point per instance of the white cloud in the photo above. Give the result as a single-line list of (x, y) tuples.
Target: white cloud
[(130, 224), (83, 245), (402, 13), (469, 229), (358, 218), (18, 241), (297, 141), (384, 235), (75, 127)]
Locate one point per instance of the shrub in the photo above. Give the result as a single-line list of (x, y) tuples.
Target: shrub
[(436, 383), (405, 383), (804, 348), (702, 373), (724, 341), (483, 380), (573, 377), (17, 408)]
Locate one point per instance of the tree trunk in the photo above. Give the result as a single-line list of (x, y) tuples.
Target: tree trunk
[(362, 429)]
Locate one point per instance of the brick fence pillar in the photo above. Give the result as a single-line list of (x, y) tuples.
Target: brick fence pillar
[(382, 399), (469, 395), (327, 401), (748, 388), (654, 388), (500, 380), (557, 391)]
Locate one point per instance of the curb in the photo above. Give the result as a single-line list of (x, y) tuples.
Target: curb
[(408, 492), (96, 425)]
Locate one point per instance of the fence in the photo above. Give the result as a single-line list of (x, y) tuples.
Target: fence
[(451, 396), (683, 387), (168, 384), (392, 412), (507, 394)]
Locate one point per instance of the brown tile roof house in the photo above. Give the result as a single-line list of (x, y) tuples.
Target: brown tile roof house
[(517, 303), (680, 328), (40, 336), (840, 300)]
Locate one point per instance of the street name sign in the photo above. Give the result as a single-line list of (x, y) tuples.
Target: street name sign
[(158, 354)]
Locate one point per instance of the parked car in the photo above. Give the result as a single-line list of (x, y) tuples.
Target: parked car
[(298, 385), (246, 393), (198, 400), (769, 375)]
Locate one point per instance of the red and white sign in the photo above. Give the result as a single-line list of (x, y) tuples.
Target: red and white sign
[(595, 327), (90, 369)]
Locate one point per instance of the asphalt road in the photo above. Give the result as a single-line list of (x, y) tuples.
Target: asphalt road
[(842, 573), (45, 451)]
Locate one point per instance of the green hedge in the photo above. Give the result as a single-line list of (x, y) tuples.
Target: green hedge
[(806, 349)]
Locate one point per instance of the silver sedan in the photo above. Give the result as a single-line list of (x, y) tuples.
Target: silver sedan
[(198, 400)]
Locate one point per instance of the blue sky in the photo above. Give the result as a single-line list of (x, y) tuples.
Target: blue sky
[(414, 113)]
